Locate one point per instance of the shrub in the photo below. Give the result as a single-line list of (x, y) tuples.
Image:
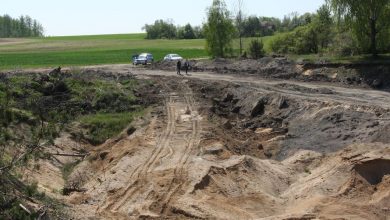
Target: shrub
[(103, 126), (256, 49), (303, 40), (344, 44)]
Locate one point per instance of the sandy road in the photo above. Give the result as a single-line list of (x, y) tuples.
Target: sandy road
[(175, 145)]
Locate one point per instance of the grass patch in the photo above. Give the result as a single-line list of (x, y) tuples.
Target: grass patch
[(68, 168), (103, 126)]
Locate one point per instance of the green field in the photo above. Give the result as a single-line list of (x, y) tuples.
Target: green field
[(94, 49), (89, 50)]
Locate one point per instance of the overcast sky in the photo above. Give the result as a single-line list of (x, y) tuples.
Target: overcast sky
[(81, 17)]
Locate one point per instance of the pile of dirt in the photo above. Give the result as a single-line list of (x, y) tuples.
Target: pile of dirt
[(295, 123), (366, 75)]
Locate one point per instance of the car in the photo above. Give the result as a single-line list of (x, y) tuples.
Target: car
[(143, 58), (173, 57), (134, 57)]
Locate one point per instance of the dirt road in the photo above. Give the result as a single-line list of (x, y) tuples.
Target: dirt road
[(323, 91), (241, 147)]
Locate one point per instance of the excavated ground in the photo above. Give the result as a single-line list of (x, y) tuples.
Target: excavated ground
[(235, 147)]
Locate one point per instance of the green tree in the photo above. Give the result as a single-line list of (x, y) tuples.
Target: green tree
[(24, 26), (256, 49), (198, 31), (251, 27), (369, 19), (219, 30), (322, 25), (239, 21), (160, 29), (188, 32)]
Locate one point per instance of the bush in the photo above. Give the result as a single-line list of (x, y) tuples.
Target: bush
[(344, 44), (256, 49), (303, 40), (282, 43), (103, 126)]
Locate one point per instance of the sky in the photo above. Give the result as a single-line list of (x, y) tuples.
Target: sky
[(87, 17)]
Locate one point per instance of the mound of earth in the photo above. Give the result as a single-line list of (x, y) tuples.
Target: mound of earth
[(367, 75)]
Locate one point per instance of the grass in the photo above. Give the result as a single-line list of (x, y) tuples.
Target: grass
[(90, 50), (96, 49), (103, 126), (116, 49), (68, 168)]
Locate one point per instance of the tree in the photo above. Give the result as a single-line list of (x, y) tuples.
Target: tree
[(160, 29), (251, 26), (367, 17), (219, 30), (188, 32), (198, 31), (24, 26), (239, 22), (256, 49), (322, 25)]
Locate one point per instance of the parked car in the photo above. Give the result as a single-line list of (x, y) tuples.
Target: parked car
[(134, 57), (143, 58), (173, 57)]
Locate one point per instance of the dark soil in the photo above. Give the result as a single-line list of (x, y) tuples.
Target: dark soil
[(365, 75)]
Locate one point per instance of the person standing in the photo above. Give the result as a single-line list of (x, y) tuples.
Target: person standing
[(178, 66), (186, 66)]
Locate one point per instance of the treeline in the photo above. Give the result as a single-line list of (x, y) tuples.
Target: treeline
[(24, 26), (341, 28), (252, 26), (315, 33), (167, 30)]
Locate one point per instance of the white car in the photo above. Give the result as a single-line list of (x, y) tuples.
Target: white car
[(173, 57)]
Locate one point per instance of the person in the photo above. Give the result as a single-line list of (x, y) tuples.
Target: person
[(178, 67), (186, 66)]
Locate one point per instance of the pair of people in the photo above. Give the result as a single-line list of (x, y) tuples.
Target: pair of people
[(186, 67)]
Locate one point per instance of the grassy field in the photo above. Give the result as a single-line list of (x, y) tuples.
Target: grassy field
[(95, 49), (89, 50)]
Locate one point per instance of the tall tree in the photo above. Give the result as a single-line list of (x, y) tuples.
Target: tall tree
[(240, 21), (367, 17), (189, 32), (322, 25), (219, 30), (252, 27), (24, 26)]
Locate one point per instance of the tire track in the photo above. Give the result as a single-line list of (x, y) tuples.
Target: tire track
[(140, 173), (139, 177), (179, 172)]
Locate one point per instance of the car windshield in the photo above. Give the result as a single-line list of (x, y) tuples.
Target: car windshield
[(175, 55), (142, 56)]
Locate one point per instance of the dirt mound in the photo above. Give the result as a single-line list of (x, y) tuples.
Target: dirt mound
[(354, 75), (316, 124), (235, 180)]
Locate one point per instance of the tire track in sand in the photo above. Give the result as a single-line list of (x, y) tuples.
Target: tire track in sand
[(140, 173)]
